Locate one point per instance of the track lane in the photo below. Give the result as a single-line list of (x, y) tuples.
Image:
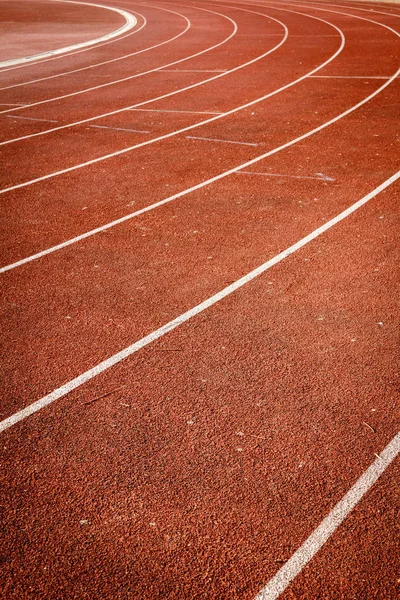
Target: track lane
[(156, 235), (349, 85), (203, 18), (163, 70), (232, 485), (368, 567), (71, 53), (91, 122), (248, 508)]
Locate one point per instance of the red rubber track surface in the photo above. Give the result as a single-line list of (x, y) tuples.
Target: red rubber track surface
[(28, 28), (196, 467)]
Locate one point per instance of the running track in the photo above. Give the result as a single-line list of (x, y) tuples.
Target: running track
[(200, 301)]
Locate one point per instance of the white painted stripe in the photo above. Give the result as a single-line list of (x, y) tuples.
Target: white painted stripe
[(193, 188), (259, 35), (56, 75), (119, 129), (186, 112), (186, 316), (318, 176), (327, 528), (130, 22), (84, 50), (131, 107), (130, 77), (193, 70), (192, 137), (368, 10), (31, 118), (347, 77)]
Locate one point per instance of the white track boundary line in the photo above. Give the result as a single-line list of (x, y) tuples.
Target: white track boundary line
[(193, 70), (348, 77), (190, 127), (192, 137), (186, 316), (168, 95), (106, 62), (63, 73), (160, 203), (328, 526), (369, 10), (317, 176), (119, 129), (132, 107), (130, 77), (31, 119), (185, 112), (45, 60), (130, 22)]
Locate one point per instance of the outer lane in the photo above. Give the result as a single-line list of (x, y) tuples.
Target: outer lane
[(218, 131), (213, 501), (86, 285), (195, 465), (43, 62)]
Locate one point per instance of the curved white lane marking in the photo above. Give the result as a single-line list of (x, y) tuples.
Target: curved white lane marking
[(65, 56), (93, 66), (368, 10), (130, 22), (106, 62), (186, 316), (217, 177), (133, 106), (328, 526), (130, 77), (130, 107)]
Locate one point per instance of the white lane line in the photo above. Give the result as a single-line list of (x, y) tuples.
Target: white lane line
[(368, 10), (193, 70), (318, 176), (186, 112), (328, 526), (195, 187), (130, 77), (62, 74), (84, 50), (176, 132), (192, 137), (347, 77), (31, 119), (170, 94), (186, 316), (130, 22), (259, 35), (119, 129)]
